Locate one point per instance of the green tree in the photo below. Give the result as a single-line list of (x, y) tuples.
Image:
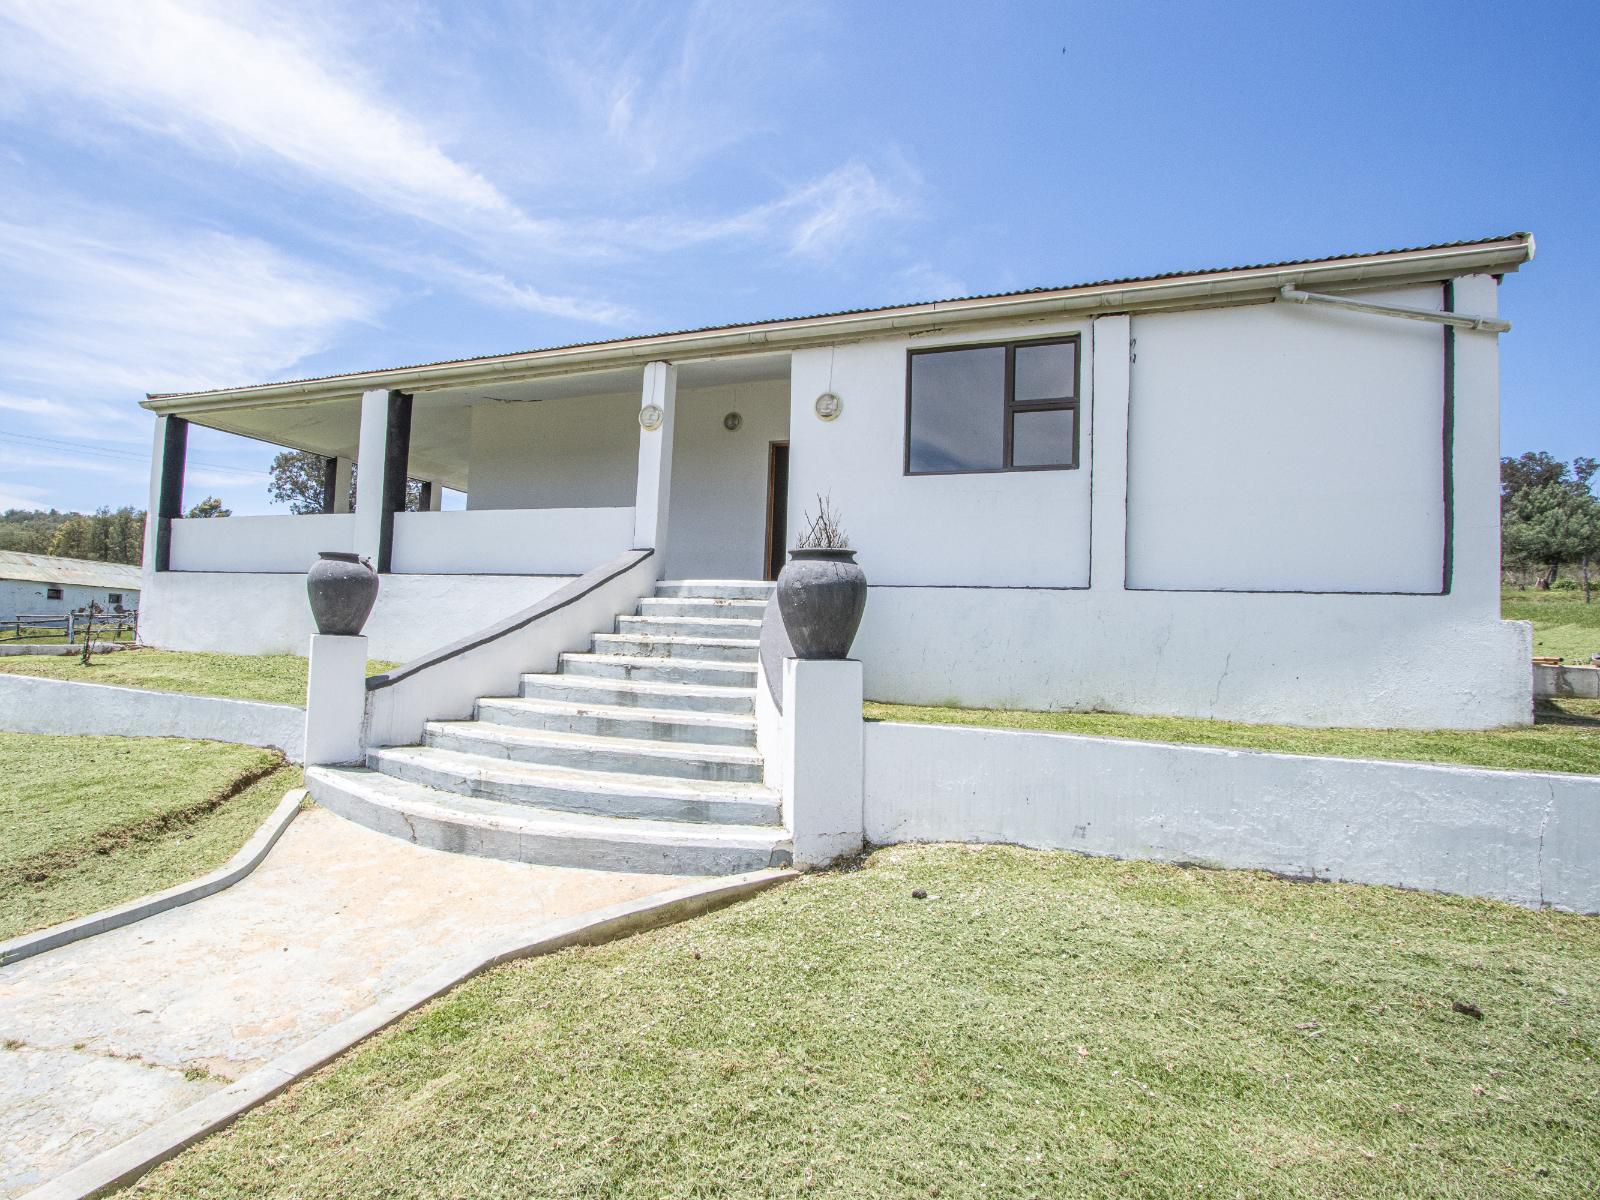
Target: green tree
[(104, 536), (210, 507), (1545, 507), (297, 480)]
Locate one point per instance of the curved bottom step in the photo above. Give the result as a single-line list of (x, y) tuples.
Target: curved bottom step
[(491, 829)]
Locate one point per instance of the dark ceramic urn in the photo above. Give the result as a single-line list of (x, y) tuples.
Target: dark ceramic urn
[(343, 589), (821, 595)]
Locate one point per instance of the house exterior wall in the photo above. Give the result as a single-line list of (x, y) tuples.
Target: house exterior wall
[(1018, 590), (583, 453), (27, 597), (717, 525)]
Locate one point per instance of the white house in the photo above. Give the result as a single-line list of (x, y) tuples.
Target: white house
[(1264, 493), (43, 585)]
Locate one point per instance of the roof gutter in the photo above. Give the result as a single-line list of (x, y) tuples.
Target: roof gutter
[(1246, 285), (1458, 320)]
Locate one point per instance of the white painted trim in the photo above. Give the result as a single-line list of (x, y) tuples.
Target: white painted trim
[(247, 859), (30, 704), (123, 1164)]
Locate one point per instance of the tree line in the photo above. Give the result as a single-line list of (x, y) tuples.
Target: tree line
[(1549, 518), (105, 535)]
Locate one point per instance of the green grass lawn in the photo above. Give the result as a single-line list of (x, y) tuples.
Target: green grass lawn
[(1566, 736), (277, 678), (1040, 1025), (91, 822), (1563, 624)]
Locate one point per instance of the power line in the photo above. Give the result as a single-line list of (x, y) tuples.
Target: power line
[(110, 452)]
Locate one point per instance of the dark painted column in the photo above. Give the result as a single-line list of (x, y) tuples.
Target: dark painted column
[(425, 504), (174, 449), (330, 480), (396, 459)]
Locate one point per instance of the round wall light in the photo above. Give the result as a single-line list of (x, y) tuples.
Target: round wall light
[(650, 417), (732, 421), (829, 406)]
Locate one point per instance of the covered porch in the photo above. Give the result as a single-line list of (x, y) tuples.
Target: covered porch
[(559, 473)]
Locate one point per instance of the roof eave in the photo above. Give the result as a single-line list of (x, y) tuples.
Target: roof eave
[(1242, 285)]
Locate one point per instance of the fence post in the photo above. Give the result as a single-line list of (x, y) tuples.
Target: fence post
[(70, 631)]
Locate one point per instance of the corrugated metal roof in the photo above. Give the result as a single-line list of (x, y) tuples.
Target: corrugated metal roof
[(80, 572), (851, 312)]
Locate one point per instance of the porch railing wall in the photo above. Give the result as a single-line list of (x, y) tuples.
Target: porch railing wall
[(271, 545), (524, 541), (509, 541)]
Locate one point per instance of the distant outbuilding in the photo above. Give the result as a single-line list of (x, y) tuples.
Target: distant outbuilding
[(42, 585)]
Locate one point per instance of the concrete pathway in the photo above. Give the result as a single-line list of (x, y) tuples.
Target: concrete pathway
[(101, 1039)]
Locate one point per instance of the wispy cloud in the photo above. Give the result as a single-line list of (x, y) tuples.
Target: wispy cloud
[(236, 82), (105, 308)]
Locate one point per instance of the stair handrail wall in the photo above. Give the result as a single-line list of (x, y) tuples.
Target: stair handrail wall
[(446, 683)]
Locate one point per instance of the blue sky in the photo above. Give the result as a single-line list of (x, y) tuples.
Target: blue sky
[(198, 194)]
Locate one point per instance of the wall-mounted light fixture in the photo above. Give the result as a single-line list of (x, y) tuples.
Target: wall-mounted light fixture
[(650, 417), (829, 406), (732, 421)]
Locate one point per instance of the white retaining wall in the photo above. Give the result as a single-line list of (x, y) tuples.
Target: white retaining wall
[(1529, 838), (1572, 683), (58, 706), (268, 614)]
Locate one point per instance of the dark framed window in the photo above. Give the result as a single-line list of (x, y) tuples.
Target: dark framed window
[(51, 593), (1002, 406), (114, 598)]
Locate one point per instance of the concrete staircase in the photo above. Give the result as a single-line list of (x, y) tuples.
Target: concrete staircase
[(639, 755)]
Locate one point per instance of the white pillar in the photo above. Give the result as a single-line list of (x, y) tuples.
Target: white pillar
[(1475, 444), (336, 699), (370, 454), (341, 483), (152, 519), (1111, 379), (653, 495), (822, 753)]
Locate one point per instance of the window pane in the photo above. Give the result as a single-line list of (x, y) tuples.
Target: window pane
[(958, 410), (1043, 439), (1047, 372)]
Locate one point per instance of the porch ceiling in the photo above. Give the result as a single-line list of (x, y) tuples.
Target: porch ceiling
[(441, 436)]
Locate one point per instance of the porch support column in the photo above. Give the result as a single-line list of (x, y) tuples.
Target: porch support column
[(432, 497), (653, 494), (385, 447), (167, 457), (1111, 344), (337, 497)]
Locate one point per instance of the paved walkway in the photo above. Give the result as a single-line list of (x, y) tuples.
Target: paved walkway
[(101, 1039)]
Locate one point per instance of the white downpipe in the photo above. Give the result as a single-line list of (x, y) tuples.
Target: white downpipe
[(1460, 320)]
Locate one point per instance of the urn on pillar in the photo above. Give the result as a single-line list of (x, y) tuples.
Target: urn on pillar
[(342, 588), (821, 591)]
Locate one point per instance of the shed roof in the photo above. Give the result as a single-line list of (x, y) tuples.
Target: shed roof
[(47, 568)]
